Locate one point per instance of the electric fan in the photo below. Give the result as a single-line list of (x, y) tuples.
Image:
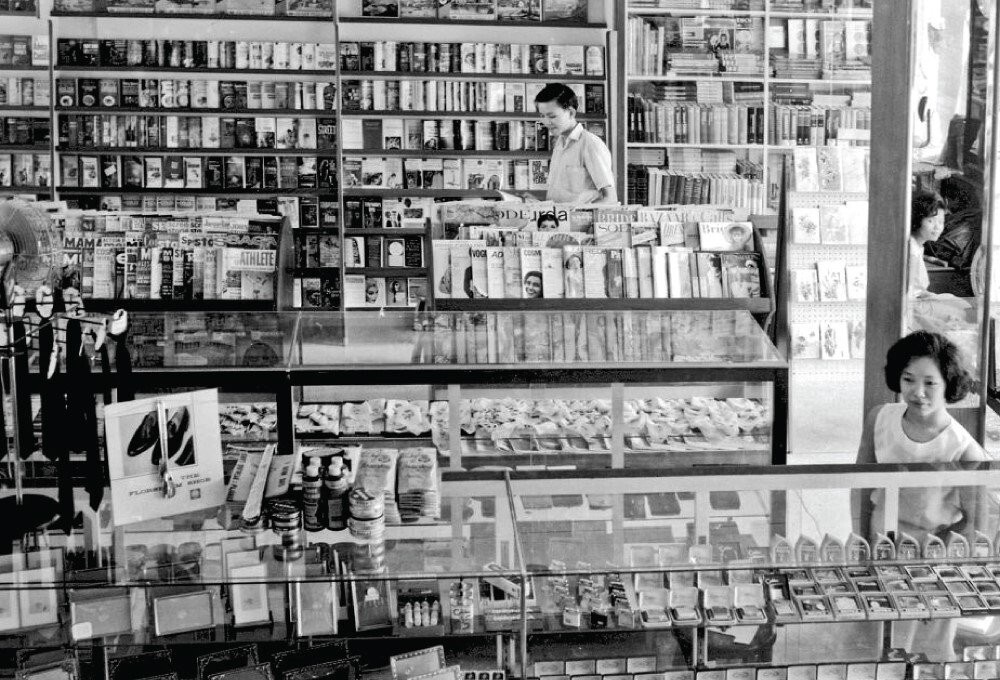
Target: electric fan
[(30, 256)]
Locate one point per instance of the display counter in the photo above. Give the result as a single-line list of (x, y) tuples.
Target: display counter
[(584, 389), (540, 574)]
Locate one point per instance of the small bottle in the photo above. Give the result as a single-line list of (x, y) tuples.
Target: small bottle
[(312, 493), (336, 496)]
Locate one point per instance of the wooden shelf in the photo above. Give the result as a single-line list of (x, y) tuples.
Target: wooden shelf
[(190, 151), (722, 77), (752, 305), (228, 72), (190, 111), (682, 145), (21, 108), (841, 15), (445, 153), (821, 81), (25, 67), (387, 271), (514, 115), (136, 305), (493, 23), (23, 148), (261, 193), (693, 12), (187, 15), (385, 232), (421, 193), (26, 190), (312, 271), (452, 75)]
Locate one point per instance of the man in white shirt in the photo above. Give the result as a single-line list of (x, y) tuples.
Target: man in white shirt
[(581, 170)]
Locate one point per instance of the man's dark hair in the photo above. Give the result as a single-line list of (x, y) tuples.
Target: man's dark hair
[(924, 204), (938, 349), (562, 95)]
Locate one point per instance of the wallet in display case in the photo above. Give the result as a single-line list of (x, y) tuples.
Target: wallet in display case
[(412, 664), (226, 660), (316, 607), (344, 669), (182, 613), (137, 666), (284, 662), (101, 616), (259, 671)]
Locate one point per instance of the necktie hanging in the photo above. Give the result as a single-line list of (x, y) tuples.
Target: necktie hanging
[(81, 411), (25, 424), (54, 423)]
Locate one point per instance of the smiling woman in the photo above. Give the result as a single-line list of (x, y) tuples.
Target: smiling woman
[(926, 224)]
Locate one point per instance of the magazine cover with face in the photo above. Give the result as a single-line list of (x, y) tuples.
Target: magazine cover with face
[(164, 456)]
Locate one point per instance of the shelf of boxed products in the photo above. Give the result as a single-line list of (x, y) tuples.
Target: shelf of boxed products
[(478, 115), (206, 16)]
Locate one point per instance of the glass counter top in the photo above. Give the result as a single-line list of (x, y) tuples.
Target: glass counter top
[(298, 341)]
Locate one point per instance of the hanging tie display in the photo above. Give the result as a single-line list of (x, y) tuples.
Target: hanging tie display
[(123, 360), (81, 413), (53, 412), (25, 421)]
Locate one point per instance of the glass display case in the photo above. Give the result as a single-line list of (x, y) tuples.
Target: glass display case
[(588, 389), (538, 574)]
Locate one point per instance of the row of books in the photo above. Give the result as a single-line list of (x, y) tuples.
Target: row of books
[(165, 202), (377, 291), (318, 250), (169, 93), (831, 224), (24, 130), (593, 337), (291, 8), (25, 170), (479, 10), (18, 91), (197, 172), (819, 126), (462, 134), (387, 213), (389, 251), (209, 132), (470, 269), (830, 340), (695, 45), (657, 122), (655, 186), (742, 5), (214, 54), (316, 292), (862, 6), (831, 41), (472, 57), (831, 169), (24, 50), (492, 174), (829, 281), (465, 96)]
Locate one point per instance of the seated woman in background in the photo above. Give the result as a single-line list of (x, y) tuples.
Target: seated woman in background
[(926, 224)]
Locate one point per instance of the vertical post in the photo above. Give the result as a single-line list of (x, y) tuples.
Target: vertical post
[(454, 426), (286, 417), (893, 47), (619, 119), (617, 425), (779, 417)]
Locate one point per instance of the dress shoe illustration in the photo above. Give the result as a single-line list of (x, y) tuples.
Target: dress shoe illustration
[(180, 448), (146, 439)]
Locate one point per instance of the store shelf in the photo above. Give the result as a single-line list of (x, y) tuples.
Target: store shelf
[(683, 145), (26, 190), (693, 12), (24, 67), (188, 15), (446, 153), (24, 148), (451, 75), (753, 305), (387, 271), (191, 111), (136, 305), (195, 192), (22, 108), (723, 77), (385, 232), (492, 23), (312, 271), (478, 115), (421, 193), (188, 151), (861, 82), (839, 16), (229, 73)]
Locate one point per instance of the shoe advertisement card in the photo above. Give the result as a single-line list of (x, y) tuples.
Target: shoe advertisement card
[(164, 456)]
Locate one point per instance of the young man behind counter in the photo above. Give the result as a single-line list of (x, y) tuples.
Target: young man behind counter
[(581, 170)]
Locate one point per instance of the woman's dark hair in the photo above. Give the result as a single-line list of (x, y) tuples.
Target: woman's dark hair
[(936, 347), (559, 93), (547, 217), (924, 204), (533, 272)]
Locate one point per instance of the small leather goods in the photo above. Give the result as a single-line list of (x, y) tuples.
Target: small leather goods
[(260, 671), (94, 617), (137, 666), (181, 613), (345, 669), (226, 660)]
